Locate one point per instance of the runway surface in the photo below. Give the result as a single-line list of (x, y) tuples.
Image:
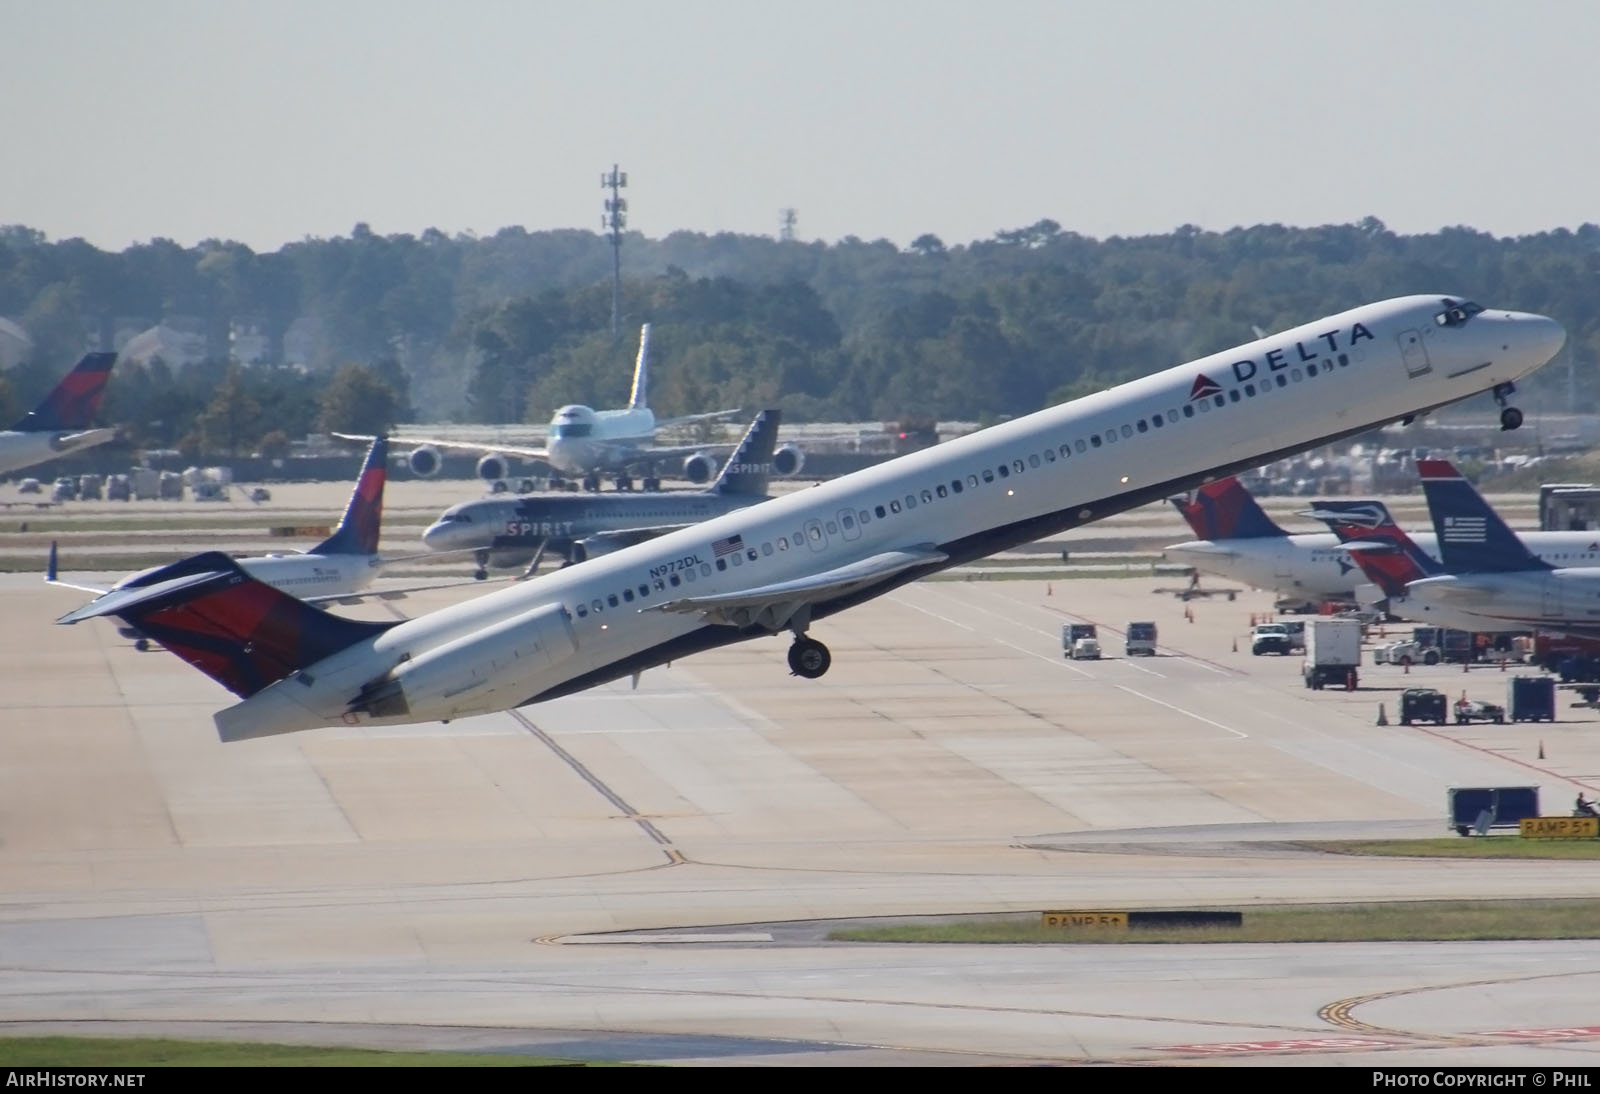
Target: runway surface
[(648, 874)]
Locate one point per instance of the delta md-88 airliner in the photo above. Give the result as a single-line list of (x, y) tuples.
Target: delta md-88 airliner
[(787, 563)]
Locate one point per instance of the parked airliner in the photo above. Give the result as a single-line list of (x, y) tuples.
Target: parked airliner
[(1239, 541), (60, 425), (788, 563), (516, 531), (587, 445), (337, 570), (1490, 580)]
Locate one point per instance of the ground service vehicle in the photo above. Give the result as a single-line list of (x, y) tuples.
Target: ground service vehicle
[(1270, 638), (1141, 639), (1085, 649), (1422, 705), (1071, 632), (1531, 698), (1473, 710), (1333, 653), (1405, 652)]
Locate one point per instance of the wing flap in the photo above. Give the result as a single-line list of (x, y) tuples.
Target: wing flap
[(773, 606)]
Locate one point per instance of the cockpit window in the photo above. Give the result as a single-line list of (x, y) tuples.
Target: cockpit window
[(574, 429), (1456, 313)]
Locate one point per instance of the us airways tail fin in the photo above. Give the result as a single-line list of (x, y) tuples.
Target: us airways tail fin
[(1472, 537), (358, 530), (747, 470), (72, 403), (241, 632), (1387, 556), (1225, 510), (640, 398)]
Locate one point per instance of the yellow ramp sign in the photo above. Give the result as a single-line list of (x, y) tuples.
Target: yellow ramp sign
[(1560, 827), (1111, 920)]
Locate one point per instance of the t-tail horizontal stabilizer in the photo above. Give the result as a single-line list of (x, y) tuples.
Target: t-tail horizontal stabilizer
[(241, 632), (1472, 537)]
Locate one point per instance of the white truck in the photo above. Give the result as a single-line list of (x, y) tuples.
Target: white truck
[(1333, 653)]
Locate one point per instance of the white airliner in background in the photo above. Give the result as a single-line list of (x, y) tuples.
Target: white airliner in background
[(338, 570), (784, 564), (587, 445), (60, 425), (1239, 541)]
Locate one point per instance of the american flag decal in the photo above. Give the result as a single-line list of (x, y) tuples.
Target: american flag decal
[(1464, 529), (728, 546)]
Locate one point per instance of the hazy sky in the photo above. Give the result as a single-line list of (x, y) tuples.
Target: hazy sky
[(268, 122)]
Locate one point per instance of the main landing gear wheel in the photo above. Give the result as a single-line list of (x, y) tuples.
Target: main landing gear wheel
[(482, 559), (809, 658), (591, 483), (650, 485)]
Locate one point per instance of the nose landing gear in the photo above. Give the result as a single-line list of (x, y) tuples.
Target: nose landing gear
[(1510, 416)]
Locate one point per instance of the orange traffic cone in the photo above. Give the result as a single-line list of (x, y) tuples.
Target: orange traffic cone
[(1541, 750), (1235, 645)]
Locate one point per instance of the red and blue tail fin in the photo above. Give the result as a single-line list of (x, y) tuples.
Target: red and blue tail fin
[(1226, 510), (241, 632), (1472, 537), (73, 402), (358, 530), (1385, 553)]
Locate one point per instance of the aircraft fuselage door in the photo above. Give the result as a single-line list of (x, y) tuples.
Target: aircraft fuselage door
[(1550, 598), (848, 528), (1414, 353), (816, 538)]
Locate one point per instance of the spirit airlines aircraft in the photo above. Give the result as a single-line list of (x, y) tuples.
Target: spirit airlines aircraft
[(1490, 580), (339, 569), (586, 444), (59, 426), (787, 563), (511, 531)]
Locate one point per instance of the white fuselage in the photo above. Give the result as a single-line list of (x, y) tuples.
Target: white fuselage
[(972, 496), (599, 440), (1564, 601), (1312, 564), (19, 450), (313, 575), (526, 521)]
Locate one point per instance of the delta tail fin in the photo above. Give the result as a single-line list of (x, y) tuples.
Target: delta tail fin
[(1386, 555), (748, 469), (1226, 510), (241, 632), (72, 403), (639, 399), (1472, 537), (358, 530)]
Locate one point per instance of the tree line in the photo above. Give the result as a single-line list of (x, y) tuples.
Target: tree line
[(508, 327)]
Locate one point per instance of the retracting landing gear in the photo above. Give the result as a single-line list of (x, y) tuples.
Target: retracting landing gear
[(808, 657), (1510, 416)]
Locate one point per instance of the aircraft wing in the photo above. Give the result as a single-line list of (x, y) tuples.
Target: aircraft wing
[(773, 606), (485, 447), (711, 416)]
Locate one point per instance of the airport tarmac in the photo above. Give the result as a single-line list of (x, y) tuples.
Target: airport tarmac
[(648, 874)]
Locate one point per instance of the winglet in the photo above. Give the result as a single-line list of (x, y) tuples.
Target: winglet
[(72, 403), (1472, 537), (1226, 510), (639, 399), (747, 469)]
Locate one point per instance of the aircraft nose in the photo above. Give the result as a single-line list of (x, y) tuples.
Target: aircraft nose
[(1539, 335)]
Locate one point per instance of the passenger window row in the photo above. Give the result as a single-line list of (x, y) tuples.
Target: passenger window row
[(956, 486)]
